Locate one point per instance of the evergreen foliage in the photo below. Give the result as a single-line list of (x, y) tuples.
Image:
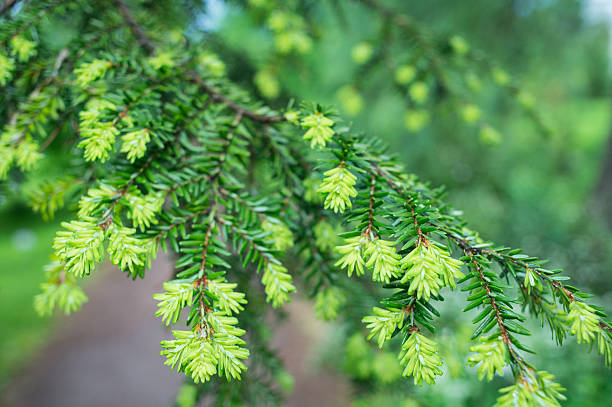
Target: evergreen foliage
[(166, 152)]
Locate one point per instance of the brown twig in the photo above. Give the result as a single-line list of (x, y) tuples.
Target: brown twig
[(143, 40)]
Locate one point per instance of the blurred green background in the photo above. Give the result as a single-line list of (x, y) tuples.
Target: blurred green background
[(542, 186)]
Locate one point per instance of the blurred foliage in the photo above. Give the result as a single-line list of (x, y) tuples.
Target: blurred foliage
[(523, 189)]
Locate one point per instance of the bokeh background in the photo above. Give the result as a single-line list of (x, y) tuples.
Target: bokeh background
[(543, 181)]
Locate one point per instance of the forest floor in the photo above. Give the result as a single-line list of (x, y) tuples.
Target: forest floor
[(107, 355)]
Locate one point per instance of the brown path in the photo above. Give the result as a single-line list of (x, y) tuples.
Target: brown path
[(107, 355)]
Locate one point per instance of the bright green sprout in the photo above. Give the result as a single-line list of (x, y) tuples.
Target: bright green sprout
[(382, 259), (98, 141), (134, 143), (423, 271), (339, 187), (216, 349), (383, 323), (27, 154), (352, 258), (279, 233), (585, 322), (532, 389), (88, 72), (124, 250), (319, 131), (420, 358), (163, 59), (278, 284), (80, 246), (143, 209), (171, 302), (229, 301), (490, 356), (23, 48)]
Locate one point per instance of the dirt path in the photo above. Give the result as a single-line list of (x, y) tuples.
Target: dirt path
[(108, 354)]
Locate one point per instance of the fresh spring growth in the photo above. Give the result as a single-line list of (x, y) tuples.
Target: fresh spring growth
[(143, 210), (429, 268), (278, 284), (23, 48), (98, 141), (279, 233), (229, 301), (60, 290), (419, 91), (98, 136), (27, 154), (420, 358), (94, 110), (531, 279), (88, 72), (79, 246), (351, 251), (7, 66), (162, 59), (383, 323), (339, 185), (124, 250), (201, 355), (532, 389), (171, 302), (328, 302), (584, 321), (319, 131), (490, 356), (134, 143), (92, 202), (382, 259)]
